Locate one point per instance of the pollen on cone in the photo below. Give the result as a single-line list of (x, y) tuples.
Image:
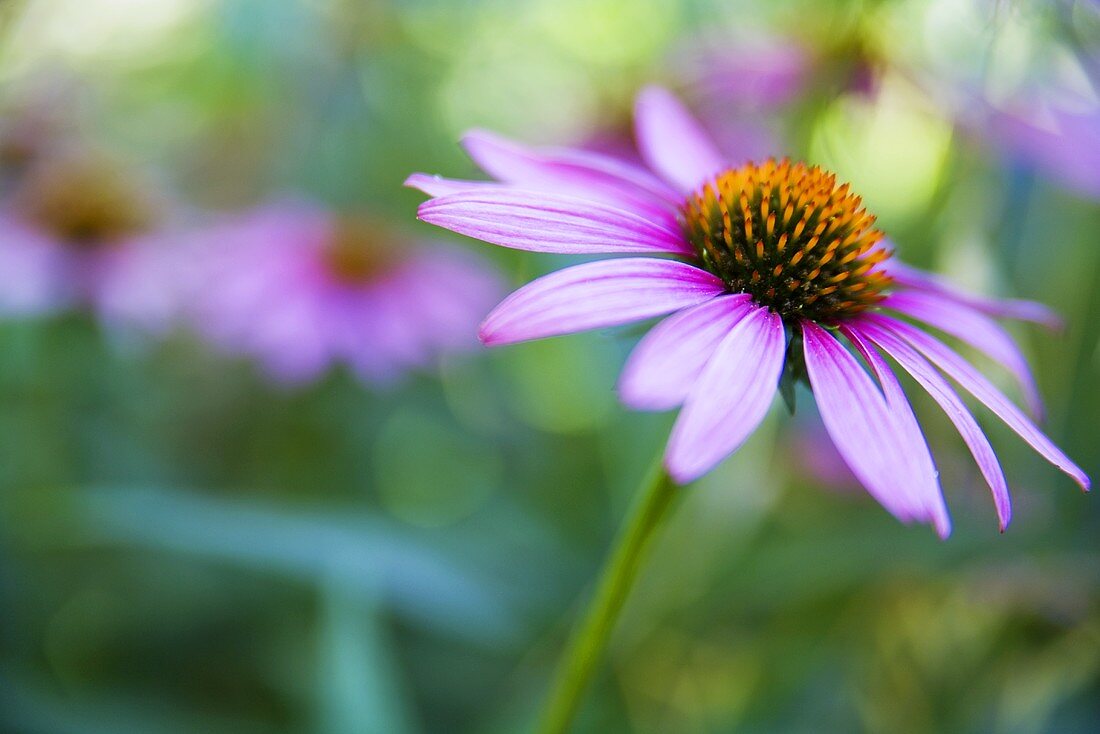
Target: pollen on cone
[(815, 261)]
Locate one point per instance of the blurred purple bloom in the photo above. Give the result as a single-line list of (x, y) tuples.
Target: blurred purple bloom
[(1064, 145), (79, 231), (736, 88), (770, 272), (762, 73), (299, 289), (739, 86)]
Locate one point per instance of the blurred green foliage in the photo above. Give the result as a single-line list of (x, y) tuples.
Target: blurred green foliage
[(185, 547)]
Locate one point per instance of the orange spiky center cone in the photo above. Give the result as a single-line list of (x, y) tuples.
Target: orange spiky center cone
[(788, 235)]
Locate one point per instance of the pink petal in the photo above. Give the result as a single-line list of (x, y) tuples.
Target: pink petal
[(974, 328), (672, 142), (948, 399), (667, 361), (598, 294), (541, 222), (589, 176), (923, 468), (1008, 308), (876, 436), (439, 186), (730, 398), (981, 388)]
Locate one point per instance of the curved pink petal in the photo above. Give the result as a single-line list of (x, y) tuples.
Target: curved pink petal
[(667, 361), (981, 388), (922, 468), (672, 141), (574, 173), (1006, 308), (541, 222), (936, 386), (730, 398), (872, 433), (438, 186), (598, 294), (974, 328)]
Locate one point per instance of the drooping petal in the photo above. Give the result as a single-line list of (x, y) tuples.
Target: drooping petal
[(936, 386), (541, 222), (876, 444), (981, 388), (974, 328), (439, 186), (589, 176), (730, 398), (672, 142), (1006, 308), (598, 294), (668, 360), (922, 467)]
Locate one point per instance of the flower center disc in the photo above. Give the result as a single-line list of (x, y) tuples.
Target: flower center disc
[(791, 237), (84, 201), (353, 254)]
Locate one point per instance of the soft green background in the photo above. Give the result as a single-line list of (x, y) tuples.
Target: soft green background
[(186, 548)]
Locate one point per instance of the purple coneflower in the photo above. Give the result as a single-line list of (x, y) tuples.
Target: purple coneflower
[(1065, 145), (299, 289), (80, 230), (772, 272)]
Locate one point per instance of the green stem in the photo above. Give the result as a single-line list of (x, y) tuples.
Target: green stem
[(589, 639)]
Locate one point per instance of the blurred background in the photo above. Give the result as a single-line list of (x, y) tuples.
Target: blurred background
[(257, 476)]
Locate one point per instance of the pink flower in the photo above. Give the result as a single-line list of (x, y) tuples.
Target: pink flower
[(762, 72), (1049, 126), (771, 272), (299, 289), (735, 86), (1065, 145), (79, 230)]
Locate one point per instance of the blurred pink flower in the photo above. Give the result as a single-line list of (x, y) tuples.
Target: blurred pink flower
[(299, 289), (1052, 126), (1064, 145), (80, 231), (772, 272), (739, 87), (761, 73)]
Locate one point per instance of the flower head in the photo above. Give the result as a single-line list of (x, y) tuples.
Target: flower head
[(80, 229), (790, 237), (299, 289), (767, 270)]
